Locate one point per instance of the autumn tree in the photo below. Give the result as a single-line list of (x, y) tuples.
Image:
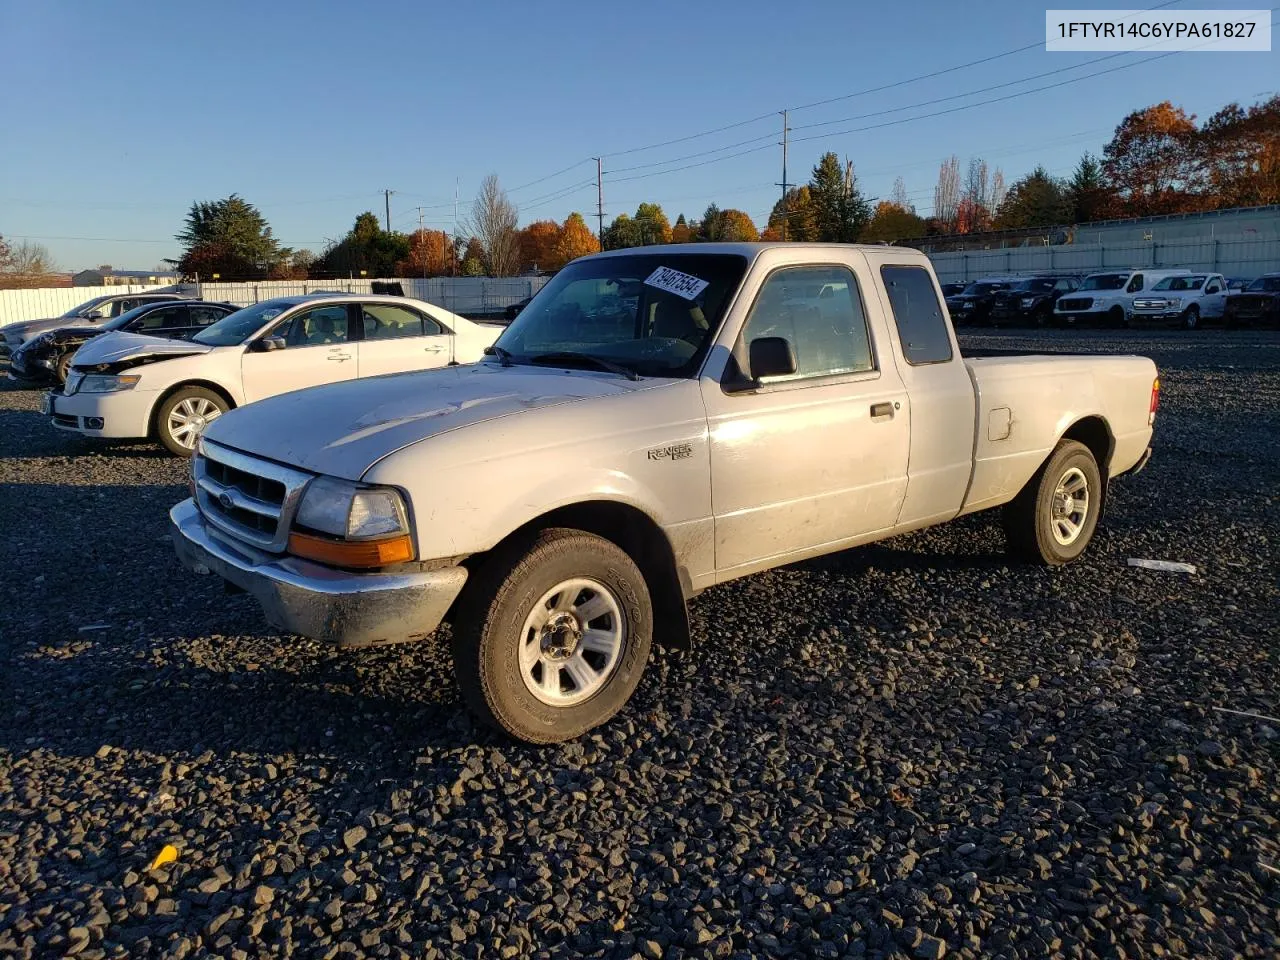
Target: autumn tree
[(473, 258), (1151, 162), (575, 240), (946, 195), (892, 221), (493, 221), (681, 233), (898, 196), (1239, 152), (25, 264), (998, 191), (1037, 200), (230, 237), (798, 212), (538, 245), (431, 254), (736, 226)]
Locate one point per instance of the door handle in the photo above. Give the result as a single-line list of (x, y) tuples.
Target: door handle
[(340, 356), (433, 349), (881, 410)]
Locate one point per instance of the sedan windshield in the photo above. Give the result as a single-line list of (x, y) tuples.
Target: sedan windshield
[(1105, 281), (238, 327), (84, 309), (1265, 285), (653, 314)]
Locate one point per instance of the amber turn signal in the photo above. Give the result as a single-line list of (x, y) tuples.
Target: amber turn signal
[(352, 553)]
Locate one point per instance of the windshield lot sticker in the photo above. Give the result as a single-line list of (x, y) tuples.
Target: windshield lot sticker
[(673, 281)]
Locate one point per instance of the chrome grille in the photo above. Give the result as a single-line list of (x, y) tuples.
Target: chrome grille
[(1151, 304), (246, 497)]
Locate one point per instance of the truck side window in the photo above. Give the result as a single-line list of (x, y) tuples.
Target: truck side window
[(818, 310), (1135, 284), (922, 326)]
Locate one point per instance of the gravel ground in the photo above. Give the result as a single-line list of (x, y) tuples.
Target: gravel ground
[(909, 750)]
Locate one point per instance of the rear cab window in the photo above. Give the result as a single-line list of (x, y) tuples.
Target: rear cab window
[(922, 325)]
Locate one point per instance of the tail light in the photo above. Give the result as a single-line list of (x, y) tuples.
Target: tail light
[(1155, 402)]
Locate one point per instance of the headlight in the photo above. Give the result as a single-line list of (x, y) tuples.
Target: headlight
[(370, 525), (102, 383), (1027, 302)]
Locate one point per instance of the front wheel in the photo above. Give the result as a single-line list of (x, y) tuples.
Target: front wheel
[(1054, 517), (183, 416), (1191, 318), (552, 636), (1117, 318), (62, 369)]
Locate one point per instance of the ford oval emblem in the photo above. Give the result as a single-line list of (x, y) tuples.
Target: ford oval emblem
[(224, 499)]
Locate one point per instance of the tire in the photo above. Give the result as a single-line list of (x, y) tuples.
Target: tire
[(193, 405), (1033, 522), (62, 368), (521, 616), (1116, 318), (1191, 318)]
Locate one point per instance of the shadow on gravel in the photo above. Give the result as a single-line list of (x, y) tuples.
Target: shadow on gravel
[(95, 692)]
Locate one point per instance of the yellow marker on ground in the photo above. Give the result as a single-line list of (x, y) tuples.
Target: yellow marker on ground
[(168, 853)]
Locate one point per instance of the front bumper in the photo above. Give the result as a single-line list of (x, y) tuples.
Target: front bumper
[(125, 415), (21, 370), (1161, 316), (337, 606)]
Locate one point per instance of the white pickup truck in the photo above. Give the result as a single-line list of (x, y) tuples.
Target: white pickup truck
[(654, 422), (132, 386), (1184, 300)]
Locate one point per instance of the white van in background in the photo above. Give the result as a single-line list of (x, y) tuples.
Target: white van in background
[(1106, 298)]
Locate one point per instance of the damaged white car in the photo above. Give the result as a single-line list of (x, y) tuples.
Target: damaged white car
[(125, 385)]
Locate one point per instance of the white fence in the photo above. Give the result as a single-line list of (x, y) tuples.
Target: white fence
[(469, 296), (41, 302), (1231, 257)]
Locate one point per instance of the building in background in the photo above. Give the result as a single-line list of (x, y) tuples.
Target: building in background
[(110, 277)]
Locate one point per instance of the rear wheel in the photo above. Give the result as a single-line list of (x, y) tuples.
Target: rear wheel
[(1054, 517), (183, 416), (552, 636), (1191, 317)]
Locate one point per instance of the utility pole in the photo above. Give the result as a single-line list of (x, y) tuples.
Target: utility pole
[(422, 240), (784, 184), (599, 205), (387, 195)]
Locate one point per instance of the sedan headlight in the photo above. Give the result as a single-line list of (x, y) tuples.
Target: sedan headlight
[(105, 383), (362, 526)]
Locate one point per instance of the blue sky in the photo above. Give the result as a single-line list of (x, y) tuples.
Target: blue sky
[(118, 115)]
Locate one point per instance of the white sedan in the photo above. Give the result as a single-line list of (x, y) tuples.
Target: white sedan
[(125, 385)]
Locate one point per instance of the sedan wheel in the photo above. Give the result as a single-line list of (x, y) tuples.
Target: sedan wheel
[(183, 417)]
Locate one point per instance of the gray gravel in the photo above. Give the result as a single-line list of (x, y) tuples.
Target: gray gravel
[(909, 750)]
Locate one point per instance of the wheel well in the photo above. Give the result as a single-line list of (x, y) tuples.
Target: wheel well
[(643, 540), (1094, 434), (206, 384)]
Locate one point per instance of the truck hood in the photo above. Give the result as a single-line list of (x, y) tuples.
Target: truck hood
[(343, 429), (123, 350)]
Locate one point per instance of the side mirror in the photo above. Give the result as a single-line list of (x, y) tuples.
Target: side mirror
[(771, 357), (95, 315), (268, 344)]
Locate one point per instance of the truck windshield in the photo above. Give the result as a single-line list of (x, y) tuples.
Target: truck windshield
[(982, 289), (653, 314), (1032, 286), (1265, 285), (238, 327), (1105, 281), (1180, 283)]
